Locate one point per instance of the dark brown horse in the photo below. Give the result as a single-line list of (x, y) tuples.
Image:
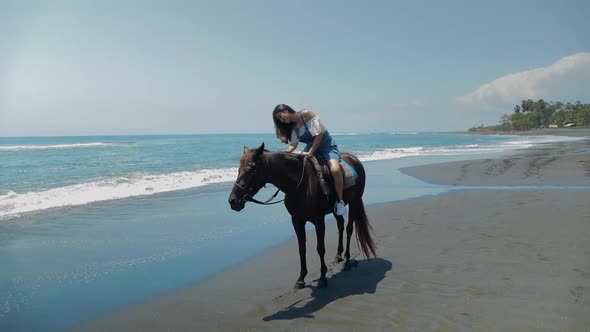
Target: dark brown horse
[(304, 200)]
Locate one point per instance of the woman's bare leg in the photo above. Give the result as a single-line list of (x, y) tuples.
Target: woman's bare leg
[(337, 176)]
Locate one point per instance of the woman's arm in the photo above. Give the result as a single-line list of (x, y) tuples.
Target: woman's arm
[(316, 143), (292, 147), (316, 128)]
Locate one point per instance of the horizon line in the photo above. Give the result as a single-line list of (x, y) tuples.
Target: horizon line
[(230, 133)]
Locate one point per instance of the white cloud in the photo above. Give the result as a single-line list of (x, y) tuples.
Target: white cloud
[(567, 78)]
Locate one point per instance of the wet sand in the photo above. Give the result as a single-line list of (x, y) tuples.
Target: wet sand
[(468, 260), (554, 164)]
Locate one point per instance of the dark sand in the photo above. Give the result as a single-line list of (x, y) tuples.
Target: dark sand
[(555, 164), (470, 260)]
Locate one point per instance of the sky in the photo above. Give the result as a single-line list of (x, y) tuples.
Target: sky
[(198, 67)]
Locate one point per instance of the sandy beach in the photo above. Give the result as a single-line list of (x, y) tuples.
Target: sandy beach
[(539, 169), (467, 260)]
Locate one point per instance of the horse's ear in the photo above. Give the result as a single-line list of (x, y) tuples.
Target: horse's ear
[(245, 149), (259, 152)]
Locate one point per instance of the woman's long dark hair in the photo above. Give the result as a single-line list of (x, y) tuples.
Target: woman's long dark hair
[(283, 130)]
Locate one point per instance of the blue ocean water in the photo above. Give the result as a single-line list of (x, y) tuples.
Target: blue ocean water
[(48, 172), (91, 224)]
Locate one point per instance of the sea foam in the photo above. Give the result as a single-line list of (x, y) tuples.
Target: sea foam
[(53, 147), (13, 204), (520, 142)]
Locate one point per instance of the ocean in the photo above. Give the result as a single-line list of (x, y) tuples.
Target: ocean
[(89, 225)]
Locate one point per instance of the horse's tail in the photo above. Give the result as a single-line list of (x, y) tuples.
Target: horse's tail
[(357, 211), (363, 228)]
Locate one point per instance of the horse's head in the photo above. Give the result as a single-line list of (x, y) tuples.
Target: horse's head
[(249, 180)]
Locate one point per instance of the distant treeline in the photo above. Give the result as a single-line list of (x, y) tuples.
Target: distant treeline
[(541, 114)]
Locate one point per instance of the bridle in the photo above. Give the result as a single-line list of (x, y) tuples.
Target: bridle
[(247, 189)]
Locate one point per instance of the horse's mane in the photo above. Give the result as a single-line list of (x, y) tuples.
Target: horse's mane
[(282, 154), (247, 158), (288, 154)]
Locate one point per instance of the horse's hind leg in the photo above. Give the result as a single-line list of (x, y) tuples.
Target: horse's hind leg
[(349, 230), (340, 223), (320, 230), (299, 226)]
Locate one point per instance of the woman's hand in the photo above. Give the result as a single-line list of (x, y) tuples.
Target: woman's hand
[(305, 153)]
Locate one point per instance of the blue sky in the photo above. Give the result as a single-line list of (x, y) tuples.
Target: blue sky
[(158, 67)]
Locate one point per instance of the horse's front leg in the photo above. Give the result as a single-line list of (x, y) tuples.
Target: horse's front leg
[(299, 226), (320, 230)]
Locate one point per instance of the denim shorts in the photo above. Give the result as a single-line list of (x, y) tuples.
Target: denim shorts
[(329, 153)]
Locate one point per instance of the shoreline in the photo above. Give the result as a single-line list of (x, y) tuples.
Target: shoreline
[(480, 259), (568, 132)]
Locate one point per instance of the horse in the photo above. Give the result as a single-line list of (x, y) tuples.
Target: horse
[(305, 201)]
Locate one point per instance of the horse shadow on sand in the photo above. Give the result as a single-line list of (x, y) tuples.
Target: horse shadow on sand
[(361, 279)]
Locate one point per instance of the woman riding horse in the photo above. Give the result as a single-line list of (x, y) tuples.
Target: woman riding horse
[(294, 127), (305, 201)]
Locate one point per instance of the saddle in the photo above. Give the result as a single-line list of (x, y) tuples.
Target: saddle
[(325, 176)]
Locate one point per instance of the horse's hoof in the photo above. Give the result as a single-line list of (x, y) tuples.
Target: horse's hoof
[(346, 266), (338, 259), (323, 283), (299, 285), (349, 264)]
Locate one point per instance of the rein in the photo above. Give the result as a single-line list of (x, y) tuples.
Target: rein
[(249, 198)]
